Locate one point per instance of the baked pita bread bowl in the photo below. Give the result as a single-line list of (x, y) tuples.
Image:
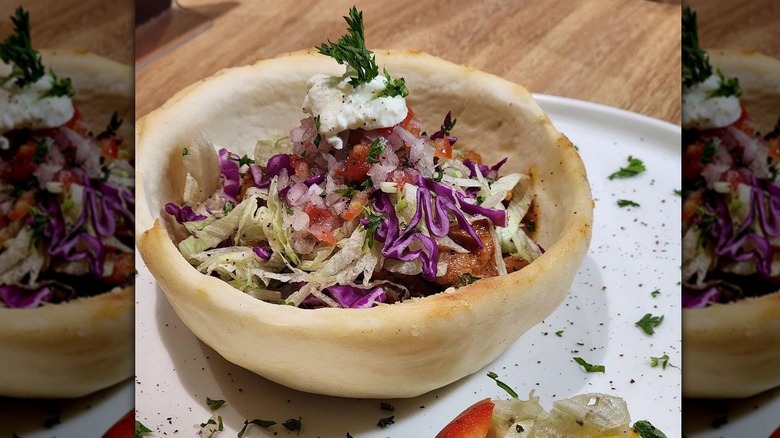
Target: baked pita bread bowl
[(75, 348), (399, 350), (733, 350)]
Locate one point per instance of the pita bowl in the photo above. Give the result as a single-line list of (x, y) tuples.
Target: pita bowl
[(733, 350), (75, 348), (398, 350)]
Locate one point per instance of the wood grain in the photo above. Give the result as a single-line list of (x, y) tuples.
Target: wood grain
[(729, 24), (622, 53), (104, 27)]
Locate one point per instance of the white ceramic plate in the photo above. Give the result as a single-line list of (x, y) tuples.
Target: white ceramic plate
[(89, 416), (635, 251)]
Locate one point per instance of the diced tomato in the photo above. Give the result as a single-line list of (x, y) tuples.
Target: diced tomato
[(74, 120), (691, 205), (109, 148), (356, 166), (22, 207), (22, 165), (356, 205), (124, 428), (407, 123), (692, 165), (322, 222), (474, 422), (401, 178), (300, 165), (442, 147)]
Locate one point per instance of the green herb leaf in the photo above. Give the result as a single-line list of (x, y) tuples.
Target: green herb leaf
[(60, 87), (709, 151), (229, 206), (635, 167), (655, 293), (384, 422), (347, 191), (17, 50), (502, 385), (663, 361), (401, 205), (727, 87), (41, 150), (695, 63), (559, 333), (262, 423), (141, 430), (466, 279), (185, 152), (214, 404), (351, 49), (646, 430), (242, 160), (318, 138), (373, 152), (649, 322), (395, 87), (626, 203), (374, 220), (293, 424), (588, 367)]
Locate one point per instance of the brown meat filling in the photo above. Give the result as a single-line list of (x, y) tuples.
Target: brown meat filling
[(478, 262)]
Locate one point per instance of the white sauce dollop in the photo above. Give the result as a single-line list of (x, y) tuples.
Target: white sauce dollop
[(341, 106), (26, 107), (700, 111)]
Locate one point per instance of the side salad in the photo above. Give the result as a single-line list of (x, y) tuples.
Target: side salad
[(731, 189), (358, 205), (66, 193)]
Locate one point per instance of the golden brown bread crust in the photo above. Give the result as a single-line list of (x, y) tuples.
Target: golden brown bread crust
[(733, 350), (398, 350), (75, 348)]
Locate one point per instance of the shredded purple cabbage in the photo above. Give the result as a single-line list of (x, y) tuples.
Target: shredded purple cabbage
[(183, 214), (276, 164), (447, 124), (354, 297), (20, 298), (229, 171), (488, 172), (263, 251), (696, 299)]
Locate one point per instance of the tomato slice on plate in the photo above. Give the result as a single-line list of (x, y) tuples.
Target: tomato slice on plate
[(474, 422), (124, 428)]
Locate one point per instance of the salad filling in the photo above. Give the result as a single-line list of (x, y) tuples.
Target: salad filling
[(731, 189), (66, 194), (357, 205)]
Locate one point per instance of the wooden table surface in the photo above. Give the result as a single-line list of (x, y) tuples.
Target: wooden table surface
[(102, 27), (729, 24), (621, 53)]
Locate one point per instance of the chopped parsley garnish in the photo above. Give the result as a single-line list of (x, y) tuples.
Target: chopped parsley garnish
[(374, 220), (438, 175), (662, 361), (635, 167), (185, 152), (695, 63), (229, 206), (293, 424), (502, 385), (41, 151), (644, 429), (351, 49), (113, 126), (401, 205), (17, 50), (655, 293), (588, 367), (395, 87), (141, 430), (262, 423), (386, 407), (245, 160), (384, 422), (678, 192), (37, 223), (559, 333), (709, 151), (648, 323), (214, 404), (373, 152), (60, 87), (626, 203), (727, 87), (317, 125), (465, 279), (347, 191)]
